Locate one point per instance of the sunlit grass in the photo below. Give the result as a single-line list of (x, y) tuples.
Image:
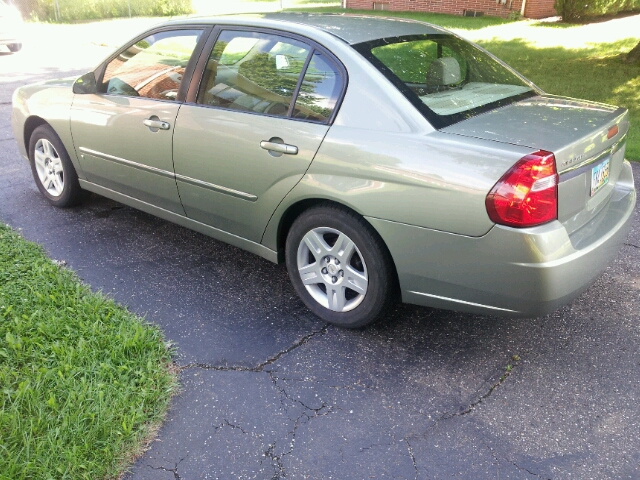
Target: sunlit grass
[(444, 20), (82, 381), (595, 73)]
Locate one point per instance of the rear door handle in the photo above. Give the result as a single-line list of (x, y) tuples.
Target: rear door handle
[(156, 124), (279, 147)]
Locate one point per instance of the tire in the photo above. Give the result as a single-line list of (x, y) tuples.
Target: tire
[(52, 169), (339, 266), (14, 47)]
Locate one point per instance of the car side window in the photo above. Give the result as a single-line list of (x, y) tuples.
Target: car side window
[(319, 91), (152, 67), (254, 72)]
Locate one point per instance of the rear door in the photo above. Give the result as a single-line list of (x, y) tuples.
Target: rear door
[(247, 135), (124, 134)]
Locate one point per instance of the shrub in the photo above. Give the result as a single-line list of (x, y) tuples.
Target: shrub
[(573, 10), (72, 10)]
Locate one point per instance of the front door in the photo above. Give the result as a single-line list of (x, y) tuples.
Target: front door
[(124, 135), (260, 115)]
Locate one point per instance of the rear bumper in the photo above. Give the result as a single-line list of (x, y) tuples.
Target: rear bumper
[(515, 272)]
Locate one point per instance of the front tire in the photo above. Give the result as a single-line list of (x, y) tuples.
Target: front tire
[(52, 169), (14, 47), (339, 266)]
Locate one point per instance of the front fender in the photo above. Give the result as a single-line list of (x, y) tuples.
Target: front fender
[(47, 102)]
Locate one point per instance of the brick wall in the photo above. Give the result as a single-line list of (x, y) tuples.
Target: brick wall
[(533, 8), (539, 9)]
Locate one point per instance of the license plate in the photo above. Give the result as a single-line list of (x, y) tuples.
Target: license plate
[(599, 176)]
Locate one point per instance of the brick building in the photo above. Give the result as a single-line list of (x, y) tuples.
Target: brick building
[(497, 8)]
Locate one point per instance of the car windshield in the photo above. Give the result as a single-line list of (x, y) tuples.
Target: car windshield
[(445, 77)]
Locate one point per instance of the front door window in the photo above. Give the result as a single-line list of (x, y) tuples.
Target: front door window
[(152, 67)]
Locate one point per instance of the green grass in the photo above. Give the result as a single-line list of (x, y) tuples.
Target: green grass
[(595, 73), (446, 21), (83, 382)]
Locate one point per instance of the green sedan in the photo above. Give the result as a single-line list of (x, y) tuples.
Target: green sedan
[(380, 159)]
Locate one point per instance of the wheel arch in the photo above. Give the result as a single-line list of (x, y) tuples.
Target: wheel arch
[(298, 208), (30, 125), (288, 217)]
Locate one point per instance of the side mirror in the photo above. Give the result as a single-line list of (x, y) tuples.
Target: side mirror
[(85, 84)]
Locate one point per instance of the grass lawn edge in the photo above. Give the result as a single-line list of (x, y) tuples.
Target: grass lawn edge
[(85, 384)]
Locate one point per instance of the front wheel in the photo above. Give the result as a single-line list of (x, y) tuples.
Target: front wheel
[(52, 169), (14, 47), (339, 266)]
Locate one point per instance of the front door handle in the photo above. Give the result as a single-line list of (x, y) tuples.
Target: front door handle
[(155, 124), (278, 147)]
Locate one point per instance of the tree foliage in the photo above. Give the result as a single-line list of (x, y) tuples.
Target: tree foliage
[(575, 10), (634, 55), (71, 10)]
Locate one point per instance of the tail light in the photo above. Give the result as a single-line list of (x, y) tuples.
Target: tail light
[(527, 195)]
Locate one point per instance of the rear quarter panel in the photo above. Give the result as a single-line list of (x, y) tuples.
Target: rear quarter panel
[(435, 180)]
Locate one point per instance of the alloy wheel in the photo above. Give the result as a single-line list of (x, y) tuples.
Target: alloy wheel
[(49, 167), (332, 269)]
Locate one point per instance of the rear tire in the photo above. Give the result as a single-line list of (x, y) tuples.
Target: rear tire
[(14, 47), (52, 169), (339, 266)]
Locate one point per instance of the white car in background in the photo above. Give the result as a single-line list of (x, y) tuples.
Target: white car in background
[(10, 27)]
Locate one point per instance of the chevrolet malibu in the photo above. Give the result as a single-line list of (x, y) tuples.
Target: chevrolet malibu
[(378, 158)]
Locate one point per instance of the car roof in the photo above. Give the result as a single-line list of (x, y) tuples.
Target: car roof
[(352, 29)]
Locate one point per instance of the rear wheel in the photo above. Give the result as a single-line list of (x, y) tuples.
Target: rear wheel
[(14, 47), (339, 266), (52, 169)]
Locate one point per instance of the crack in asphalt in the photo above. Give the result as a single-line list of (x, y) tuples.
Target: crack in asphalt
[(470, 408), (322, 410), (173, 470), (374, 445), (501, 380), (413, 457), (276, 462), (528, 471), (261, 366), (276, 459), (227, 423), (284, 393), (632, 245), (522, 469)]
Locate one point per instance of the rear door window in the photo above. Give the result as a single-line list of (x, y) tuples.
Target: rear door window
[(251, 71), (319, 91), (270, 74)]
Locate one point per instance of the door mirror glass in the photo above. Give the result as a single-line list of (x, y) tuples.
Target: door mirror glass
[(85, 84)]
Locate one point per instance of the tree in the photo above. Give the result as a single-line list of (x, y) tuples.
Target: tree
[(634, 55)]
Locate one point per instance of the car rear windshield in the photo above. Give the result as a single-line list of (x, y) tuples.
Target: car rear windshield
[(445, 77)]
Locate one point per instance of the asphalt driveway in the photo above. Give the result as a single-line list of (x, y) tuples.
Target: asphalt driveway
[(270, 392)]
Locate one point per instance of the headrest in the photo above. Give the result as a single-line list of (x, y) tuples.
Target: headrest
[(443, 71)]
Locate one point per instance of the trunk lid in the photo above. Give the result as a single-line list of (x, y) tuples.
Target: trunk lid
[(579, 133)]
